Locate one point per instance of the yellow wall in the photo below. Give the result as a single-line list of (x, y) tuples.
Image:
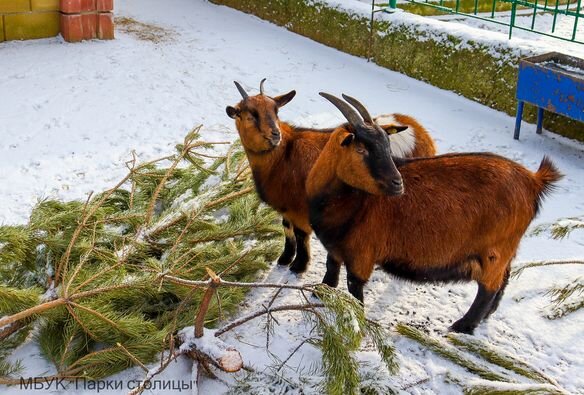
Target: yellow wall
[(28, 19)]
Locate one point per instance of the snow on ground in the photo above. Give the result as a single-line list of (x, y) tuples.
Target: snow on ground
[(71, 113)]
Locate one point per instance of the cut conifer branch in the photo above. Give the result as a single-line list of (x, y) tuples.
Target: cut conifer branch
[(500, 358), (449, 352), (549, 262), (214, 283)]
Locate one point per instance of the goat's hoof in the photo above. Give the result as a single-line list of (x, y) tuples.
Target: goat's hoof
[(298, 267), (286, 258), (461, 326), (284, 261)]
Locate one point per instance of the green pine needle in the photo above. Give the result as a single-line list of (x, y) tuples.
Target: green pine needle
[(449, 352), (499, 357)]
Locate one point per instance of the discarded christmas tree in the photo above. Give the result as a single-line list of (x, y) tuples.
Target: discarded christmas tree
[(88, 274)]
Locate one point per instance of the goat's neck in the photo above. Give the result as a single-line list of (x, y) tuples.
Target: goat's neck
[(322, 177), (263, 164), (333, 210)]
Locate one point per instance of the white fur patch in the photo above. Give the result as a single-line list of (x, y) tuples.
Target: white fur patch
[(385, 119), (402, 143)]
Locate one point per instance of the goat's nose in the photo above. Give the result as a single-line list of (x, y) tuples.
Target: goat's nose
[(397, 182)]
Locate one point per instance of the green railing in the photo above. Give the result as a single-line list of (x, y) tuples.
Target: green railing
[(501, 12)]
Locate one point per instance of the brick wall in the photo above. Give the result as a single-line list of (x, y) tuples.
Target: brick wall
[(76, 20), (27, 19), (87, 19)]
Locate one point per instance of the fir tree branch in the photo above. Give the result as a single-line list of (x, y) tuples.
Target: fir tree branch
[(500, 358), (154, 372), (98, 291), (59, 302), (65, 258), (206, 283), (303, 342), (32, 311), (78, 320), (526, 265), (449, 352), (154, 198), (95, 276), (200, 319), (132, 357), (82, 262), (259, 313), (154, 232), (98, 315), (10, 329)]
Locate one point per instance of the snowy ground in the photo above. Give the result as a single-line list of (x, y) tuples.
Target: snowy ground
[(71, 114)]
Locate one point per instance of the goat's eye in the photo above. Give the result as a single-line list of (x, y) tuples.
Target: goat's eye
[(361, 150), (252, 116)]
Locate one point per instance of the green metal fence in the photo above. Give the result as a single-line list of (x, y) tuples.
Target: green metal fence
[(502, 12)]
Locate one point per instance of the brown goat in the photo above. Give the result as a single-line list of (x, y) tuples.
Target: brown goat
[(281, 155), (455, 217)]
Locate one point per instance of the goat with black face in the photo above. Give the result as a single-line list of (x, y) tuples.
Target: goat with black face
[(449, 218)]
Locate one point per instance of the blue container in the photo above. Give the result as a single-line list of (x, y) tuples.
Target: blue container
[(552, 82)]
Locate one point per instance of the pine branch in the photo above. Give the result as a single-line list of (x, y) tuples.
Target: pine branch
[(495, 388), (259, 313), (10, 329), (500, 358), (214, 283), (561, 228), (526, 265), (132, 357), (207, 283), (445, 350), (564, 309), (154, 372), (65, 259), (560, 294), (33, 311)]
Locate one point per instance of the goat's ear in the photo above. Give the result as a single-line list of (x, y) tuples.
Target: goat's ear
[(232, 112), (282, 100), (348, 139), (393, 129)]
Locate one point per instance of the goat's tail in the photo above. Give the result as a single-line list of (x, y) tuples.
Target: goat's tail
[(547, 175)]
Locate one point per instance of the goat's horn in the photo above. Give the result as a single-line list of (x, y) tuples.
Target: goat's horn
[(349, 113), (360, 107), (241, 90), (262, 86)]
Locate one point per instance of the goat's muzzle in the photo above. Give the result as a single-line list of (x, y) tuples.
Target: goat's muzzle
[(394, 188)]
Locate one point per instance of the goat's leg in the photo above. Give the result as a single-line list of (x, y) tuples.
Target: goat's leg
[(478, 310), (300, 263), (333, 270), (290, 244), (500, 293), (492, 280), (355, 286), (358, 274)]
